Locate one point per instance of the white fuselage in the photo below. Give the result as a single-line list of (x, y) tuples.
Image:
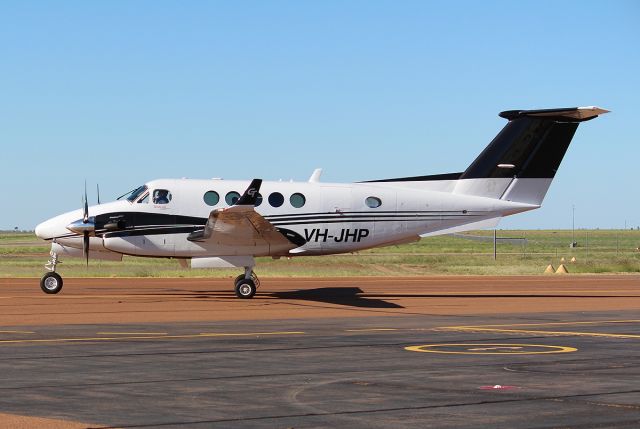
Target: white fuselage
[(328, 218)]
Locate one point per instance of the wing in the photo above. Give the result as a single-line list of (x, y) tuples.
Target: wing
[(240, 225)]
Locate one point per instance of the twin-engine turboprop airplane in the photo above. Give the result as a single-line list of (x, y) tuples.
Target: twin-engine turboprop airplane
[(212, 225)]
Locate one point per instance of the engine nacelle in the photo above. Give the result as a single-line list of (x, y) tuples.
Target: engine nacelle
[(73, 252)]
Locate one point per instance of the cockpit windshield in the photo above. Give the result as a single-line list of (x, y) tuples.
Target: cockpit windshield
[(134, 194)]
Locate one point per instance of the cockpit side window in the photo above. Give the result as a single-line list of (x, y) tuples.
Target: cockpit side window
[(144, 199), (161, 196)]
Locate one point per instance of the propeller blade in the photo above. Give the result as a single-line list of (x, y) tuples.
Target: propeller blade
[(85, 246), (85, 217)]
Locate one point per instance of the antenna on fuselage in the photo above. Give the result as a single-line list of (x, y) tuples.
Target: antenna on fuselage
[(315, 176), (98, 191)]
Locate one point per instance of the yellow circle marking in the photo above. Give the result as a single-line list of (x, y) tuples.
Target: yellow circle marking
[(490, 349)]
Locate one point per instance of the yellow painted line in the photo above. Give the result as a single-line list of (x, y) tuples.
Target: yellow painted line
[(524, 331), (594, 322), (249, 334), (371, 330), (132, 333), (432, 348), (605, 404), (17, 332), (145, 337)]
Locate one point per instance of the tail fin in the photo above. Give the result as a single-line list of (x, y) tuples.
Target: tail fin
[(521, 161)]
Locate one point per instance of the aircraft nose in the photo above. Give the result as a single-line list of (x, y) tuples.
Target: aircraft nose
[(45, 230), (57, 226)]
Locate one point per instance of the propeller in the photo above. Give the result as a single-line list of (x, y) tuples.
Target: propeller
[(85, 220), (84, 226)]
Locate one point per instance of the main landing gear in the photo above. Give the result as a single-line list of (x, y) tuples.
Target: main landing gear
[(51, 282), (246, 284)]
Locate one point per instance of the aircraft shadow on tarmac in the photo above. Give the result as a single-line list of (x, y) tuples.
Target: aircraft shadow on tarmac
[(350, 296), (356, 297), (347, 296)]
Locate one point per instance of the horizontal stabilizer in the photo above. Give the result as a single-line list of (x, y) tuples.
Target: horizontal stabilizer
[(567, 114)]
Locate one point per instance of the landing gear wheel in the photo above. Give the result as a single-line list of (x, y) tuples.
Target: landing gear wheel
[(51, 283), (254, 277), (245, 288)]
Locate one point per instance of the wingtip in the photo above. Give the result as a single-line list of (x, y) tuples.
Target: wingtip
[(594, 110)]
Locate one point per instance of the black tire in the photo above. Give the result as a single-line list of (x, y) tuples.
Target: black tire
[(239, 278), (245, 289), (254, 277), (51, 283)]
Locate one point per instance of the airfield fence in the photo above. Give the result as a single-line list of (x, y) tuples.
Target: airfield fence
[(529, 251)]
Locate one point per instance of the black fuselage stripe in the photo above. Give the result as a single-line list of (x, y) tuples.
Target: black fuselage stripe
[(152, 231), (376, 213), (146, 218), (189, 229), (177, 224), (369, 218), (312, 222)]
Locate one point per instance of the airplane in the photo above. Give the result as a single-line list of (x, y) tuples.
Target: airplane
[(226, 223)]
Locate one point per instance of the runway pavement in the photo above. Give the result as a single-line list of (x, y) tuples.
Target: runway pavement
[(442, 352)]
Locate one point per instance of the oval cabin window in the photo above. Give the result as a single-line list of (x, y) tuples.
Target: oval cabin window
[(276, 199), (297, 200), (373, 202), (232, 197), (211, 198)]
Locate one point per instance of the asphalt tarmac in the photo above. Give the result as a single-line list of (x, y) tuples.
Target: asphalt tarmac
[(442, 352)]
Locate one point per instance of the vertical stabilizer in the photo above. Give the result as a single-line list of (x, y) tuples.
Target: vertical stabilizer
[(522, 160)]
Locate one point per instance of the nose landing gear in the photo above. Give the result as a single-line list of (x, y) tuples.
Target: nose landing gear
[(51, 282)]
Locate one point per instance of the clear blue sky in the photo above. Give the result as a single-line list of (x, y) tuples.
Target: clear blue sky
[(122, 92)]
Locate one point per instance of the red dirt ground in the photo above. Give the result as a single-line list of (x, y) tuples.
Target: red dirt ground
[(141, 300)]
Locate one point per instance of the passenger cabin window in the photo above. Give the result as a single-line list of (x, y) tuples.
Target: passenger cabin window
[(161, 196), (297, 200), (211, 198), (232, 197), (276, 199), (373, 202), (258, 199)]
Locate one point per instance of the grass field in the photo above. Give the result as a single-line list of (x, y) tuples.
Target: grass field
[(598, 251)]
